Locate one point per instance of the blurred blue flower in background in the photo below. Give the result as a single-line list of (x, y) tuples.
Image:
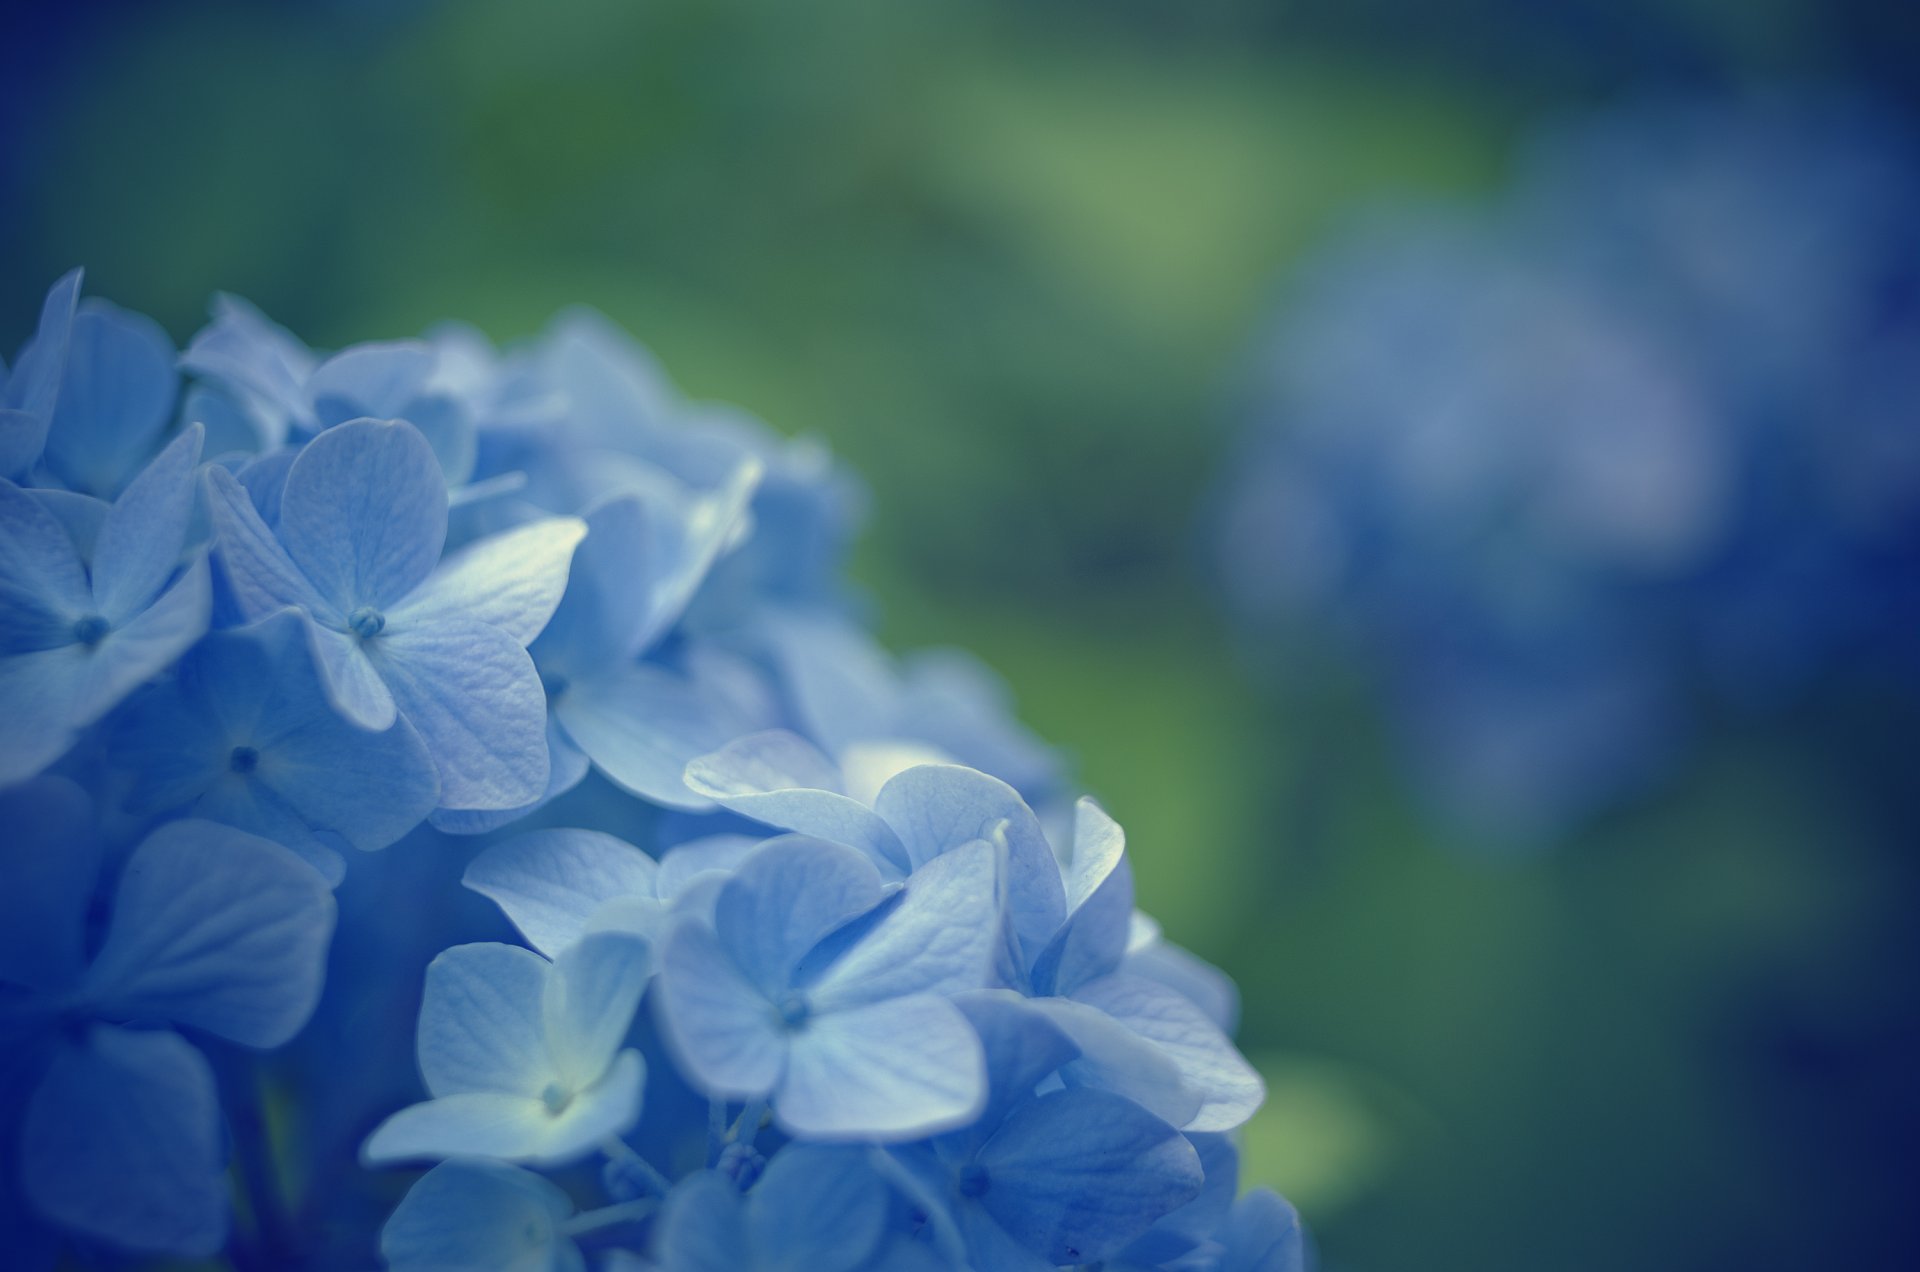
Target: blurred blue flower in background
[(820, 969), (1627, 452)]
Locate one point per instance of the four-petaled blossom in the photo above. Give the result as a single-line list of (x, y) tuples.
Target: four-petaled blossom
[(523, 1057), (397, 631)]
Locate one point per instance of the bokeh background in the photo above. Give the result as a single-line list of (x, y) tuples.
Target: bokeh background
[(1011, 260)]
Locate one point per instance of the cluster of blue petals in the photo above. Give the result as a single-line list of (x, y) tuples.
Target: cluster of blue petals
[(1629, 448), (452, 806)]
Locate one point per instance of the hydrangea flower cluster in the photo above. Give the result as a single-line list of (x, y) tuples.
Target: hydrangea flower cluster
[(425, 757), (1633, 445)]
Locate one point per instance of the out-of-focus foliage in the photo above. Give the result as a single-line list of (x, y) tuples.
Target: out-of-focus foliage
[(1005, 257)]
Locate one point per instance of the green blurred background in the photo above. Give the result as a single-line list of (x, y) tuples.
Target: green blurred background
[(1008, 260)]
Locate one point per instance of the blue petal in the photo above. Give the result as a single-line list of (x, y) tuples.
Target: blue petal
[(515, 1128), (817, 1208), (259, 361), (591, 995), (549, 882), (115, 399), (43, 586), (248, 805), (217, 929), (378, 378), (936, 807), (481, 1023), (1022, 1046), (38, 693), (724, 1033), (480, 1215), (1195, 979), (353, 684), (781, 779), (701, 1227), (260, 575), (940, 937), (511, 580), (473, 694), (28, 398), (1095, 936), (1077, 1174), (642, 725), (141, 540), (1263, 1235), (1115, 1058), (364, 514), (894, 1070), (1230, 1089), (785, 898), (122, 1143), (49, 858)]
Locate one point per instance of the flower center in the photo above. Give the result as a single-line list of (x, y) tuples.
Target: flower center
[(366, 622), (90, 631), (554, 683), (794, 1010), (973, 1180), (244, 759), (556, 1098)]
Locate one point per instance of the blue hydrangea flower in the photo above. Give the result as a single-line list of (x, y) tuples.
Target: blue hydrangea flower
[(807, 982), (83, 624), (1564, 470), (396, 631), (244, 734), (209, 928), (523, 1057)]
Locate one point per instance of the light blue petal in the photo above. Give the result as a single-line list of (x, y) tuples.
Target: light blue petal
[(122, 1143), (353, 684), (591, 995), (31, 392), (785, 898), (115, 399), (473, 694), (247, 805), (364, 514), (1230, 1089), (146, 643), (43, 586), (241, 349), (481, 1024), (567, 767), (702, 1227), (512, 580), (598, 621), (682, 865), (49, 857), (375, 379), (217, 929), (934, 808), (1115, 1058), (1077, 1174), (1264, 1235), (1200, 982), (781, 779), (38, 696), (941, 936), (1022, 1046), (894, 1070), (549, 882), (991, 1246), (368, 788), (81, 516), (141, 540), (816, 1208), (513, 1128), (643, 724), (466, 1215), (260, 575), (232, 430), (1094, 940), (706, 529), (724, 1033)]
